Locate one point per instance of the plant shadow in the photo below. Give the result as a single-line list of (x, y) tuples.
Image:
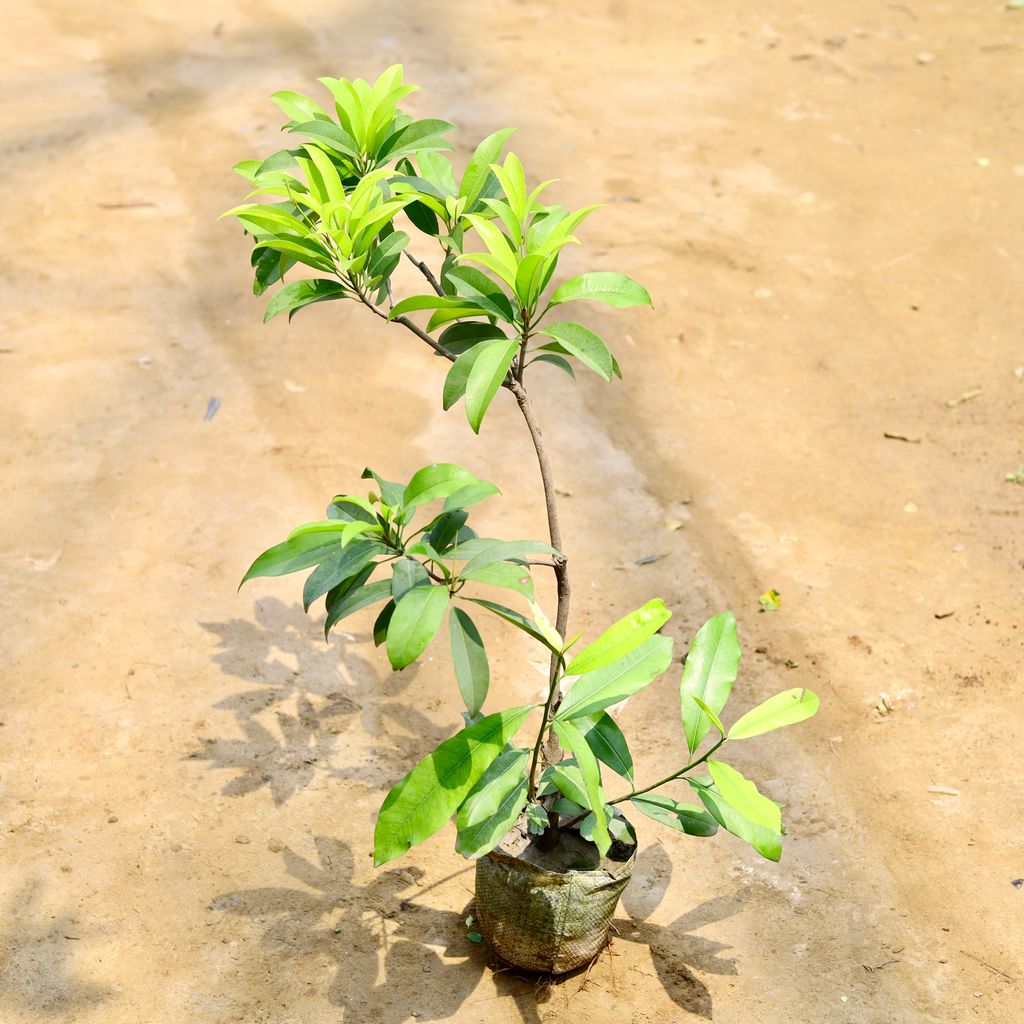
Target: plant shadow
[(302, 704), (396, 960), (36, 976)]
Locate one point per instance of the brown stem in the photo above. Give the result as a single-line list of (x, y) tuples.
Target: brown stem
[(407, 324), (552, 749), (426, 272)]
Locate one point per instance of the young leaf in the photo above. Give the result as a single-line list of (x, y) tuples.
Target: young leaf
[(429, 795), (574, 741), (485, 377), (293, 297), (618, 640), (414, 137), (688, 818), (298, 107), (479, 169), (607, 742), (786, 708), (416, 620), (469, 660), (715, 720), (614, 289), (438, 480), (609, 684), (584, 344), (709, 673), (328, 134), (493, 806)]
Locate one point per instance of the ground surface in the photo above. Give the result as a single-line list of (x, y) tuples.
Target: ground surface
[(826, 202)]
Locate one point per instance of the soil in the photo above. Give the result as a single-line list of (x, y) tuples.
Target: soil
[(826, 202)]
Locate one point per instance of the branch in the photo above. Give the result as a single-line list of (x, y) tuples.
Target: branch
[(407, 324), (426, 272)]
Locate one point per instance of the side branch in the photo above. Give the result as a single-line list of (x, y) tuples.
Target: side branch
[(408, 325), (426, 272)]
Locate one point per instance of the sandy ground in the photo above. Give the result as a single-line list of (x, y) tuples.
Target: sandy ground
[(825, 201)]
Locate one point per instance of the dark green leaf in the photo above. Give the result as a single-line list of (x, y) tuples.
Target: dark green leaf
[(582, 343), (513, 617), (482, 290), (469, 495), (607, 742), (573, 739), (337, 566), (353, 598), (430, 794), (459, 337), (392, 493), (469, 660), (299, 551), (484, 551), (555, 360), (383, 620), (503, 574), (445, 528), (458, 376), (485, 377), (407, 573)]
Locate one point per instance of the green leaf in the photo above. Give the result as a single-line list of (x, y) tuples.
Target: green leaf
[(391, 493), (419, 135), (469, 495), (383, 620), (485, 377), (430, 794), (614, 289), (462, 336), (407, 573), (484, 551), (353, 595), (337, 566), (515, 618), (479, 170), (418, 302), (786, 708), (494, 805), (555, 360), (299, 551), (458, 376), (568, 780), (688, 818), (293, 297), (482, 290), (741, 810), (618, 640), (505, 575), (573, 739), (305, 251), (469, 660), (328, 133), (607, 742), (584, 344), (709, 673), (609, 684), (299, 107), (438, 480), (416, 621)]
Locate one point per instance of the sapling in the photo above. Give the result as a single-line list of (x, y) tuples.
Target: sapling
[(341, 201)]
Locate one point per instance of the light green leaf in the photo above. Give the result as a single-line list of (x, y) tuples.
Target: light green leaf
[(485, 377), (430, 794), (299, 107), (293, 297), (739, 808), (494, 805), (479, 169), (438, 480), (584, 344), (328, 133), (607, 742), (469, 495), (458, 376), (417, 619), (609, 684), (715, 720), (709, 673), (688, 818), (469, 660), (786, 708), (417, 302), (614, 289), (573, 739), (618, 640), (417, 136)]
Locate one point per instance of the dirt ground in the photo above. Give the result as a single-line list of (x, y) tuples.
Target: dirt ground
[(826, 202)]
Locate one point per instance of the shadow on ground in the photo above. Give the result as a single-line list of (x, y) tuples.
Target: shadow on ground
[(306, 702), (393, 959)]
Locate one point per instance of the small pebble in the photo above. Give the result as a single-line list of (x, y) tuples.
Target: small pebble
[(925, 58), (275, 846), (112, 819), (176, 847), (242, 840), (1018, 883)]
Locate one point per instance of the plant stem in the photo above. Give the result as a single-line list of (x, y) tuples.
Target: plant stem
[(560, 566), (407, 324), (426, 272), (668, 778)]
